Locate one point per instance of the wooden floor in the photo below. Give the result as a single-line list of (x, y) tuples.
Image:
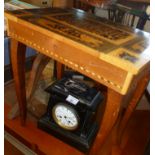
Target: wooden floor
[(134, 141)]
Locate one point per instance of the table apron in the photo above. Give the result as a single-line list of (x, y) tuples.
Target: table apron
[(70, 55)]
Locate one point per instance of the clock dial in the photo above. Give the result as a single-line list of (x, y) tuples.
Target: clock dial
[(65, 116)]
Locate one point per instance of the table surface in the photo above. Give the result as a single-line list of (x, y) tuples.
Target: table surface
[(119, 47), (115, 43)]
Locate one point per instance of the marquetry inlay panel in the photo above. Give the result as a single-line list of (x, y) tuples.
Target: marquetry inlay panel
[(104, 51)]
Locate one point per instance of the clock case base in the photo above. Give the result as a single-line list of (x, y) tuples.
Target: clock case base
[(83, 143)]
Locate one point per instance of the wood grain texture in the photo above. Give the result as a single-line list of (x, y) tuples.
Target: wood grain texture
[(18, 64), (109, 119), (71, 56), (138, 93), (73, 34), (89, 30), (60, 70)]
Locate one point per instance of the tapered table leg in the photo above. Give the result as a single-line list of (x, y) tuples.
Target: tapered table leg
[(112, 109), (38, 66), (18, 51), (59, 70), (138, 93)]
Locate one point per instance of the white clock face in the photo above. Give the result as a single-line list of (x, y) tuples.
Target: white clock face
[(65, 116)]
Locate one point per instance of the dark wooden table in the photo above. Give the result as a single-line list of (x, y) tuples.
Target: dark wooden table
[(113, 55)]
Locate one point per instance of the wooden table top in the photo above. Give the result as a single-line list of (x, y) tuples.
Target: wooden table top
[(116, 45)]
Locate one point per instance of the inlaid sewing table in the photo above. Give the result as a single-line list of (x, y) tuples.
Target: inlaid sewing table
[(113, 55)]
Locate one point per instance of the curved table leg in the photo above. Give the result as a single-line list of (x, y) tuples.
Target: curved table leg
[(18, 51), (138, 93), (109, 119), (38, 66)]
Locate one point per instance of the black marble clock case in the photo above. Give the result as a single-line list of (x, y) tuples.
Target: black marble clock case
[(89, 99)]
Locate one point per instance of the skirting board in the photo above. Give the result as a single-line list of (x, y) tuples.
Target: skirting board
[(17, 144)]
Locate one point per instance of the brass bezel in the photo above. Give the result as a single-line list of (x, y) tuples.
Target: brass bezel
[(71, 109)]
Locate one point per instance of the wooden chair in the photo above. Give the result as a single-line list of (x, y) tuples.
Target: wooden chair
[(127, 16)]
